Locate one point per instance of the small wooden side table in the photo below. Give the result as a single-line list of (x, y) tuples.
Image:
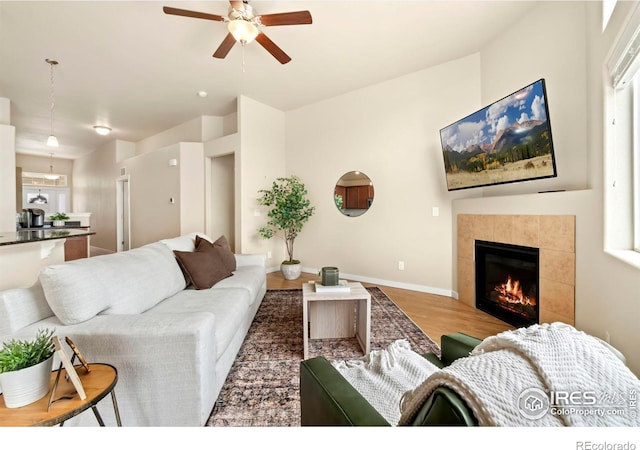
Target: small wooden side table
[(97, 383), (336, 315)]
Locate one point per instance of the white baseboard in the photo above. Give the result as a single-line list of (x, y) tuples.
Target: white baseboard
[(382, 282)]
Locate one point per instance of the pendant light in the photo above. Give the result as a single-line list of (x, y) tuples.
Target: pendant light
[(50, 175), (52, 141)]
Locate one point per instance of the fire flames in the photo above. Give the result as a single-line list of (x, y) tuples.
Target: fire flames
[(511, 292)]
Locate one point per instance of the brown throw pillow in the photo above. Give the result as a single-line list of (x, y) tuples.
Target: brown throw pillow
[(204, 267), (226, 254)]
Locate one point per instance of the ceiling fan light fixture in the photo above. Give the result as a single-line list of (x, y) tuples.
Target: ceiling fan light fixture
[(102, 130), (243, 31)]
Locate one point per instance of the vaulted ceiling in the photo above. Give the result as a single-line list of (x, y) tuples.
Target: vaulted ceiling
[(128, 65)]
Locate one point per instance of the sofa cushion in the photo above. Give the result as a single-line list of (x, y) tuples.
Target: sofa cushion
[(222, 244), (21, 307), (204, 267), (250, 278), (119, 283), (229, 306)]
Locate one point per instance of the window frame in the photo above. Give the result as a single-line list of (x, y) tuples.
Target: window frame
[(635, 130), (622, 145)]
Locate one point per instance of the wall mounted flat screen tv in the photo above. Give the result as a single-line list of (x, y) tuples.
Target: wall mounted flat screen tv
[(505, 142)]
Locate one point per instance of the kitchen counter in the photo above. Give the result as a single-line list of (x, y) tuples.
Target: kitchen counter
[(27, 235)]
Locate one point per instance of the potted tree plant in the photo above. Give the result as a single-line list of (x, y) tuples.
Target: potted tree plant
[(290, 210), (25, 368)]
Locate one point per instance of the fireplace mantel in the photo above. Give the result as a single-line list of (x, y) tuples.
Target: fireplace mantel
[(553, 235)]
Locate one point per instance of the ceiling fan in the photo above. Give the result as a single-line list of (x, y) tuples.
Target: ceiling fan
[(243, 23)]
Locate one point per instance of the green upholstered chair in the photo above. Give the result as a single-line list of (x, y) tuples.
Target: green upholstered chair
[(326, 398)]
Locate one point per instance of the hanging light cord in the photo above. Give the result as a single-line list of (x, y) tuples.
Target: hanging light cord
[(52, 95), (53, 107)]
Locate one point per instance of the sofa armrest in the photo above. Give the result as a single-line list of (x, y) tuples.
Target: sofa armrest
[(457, 345), (326, 398), (166, 365), (251, 259), (444, 408)]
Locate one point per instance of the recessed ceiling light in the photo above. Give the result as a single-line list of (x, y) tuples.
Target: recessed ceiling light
[(102, 130), (202, 94)]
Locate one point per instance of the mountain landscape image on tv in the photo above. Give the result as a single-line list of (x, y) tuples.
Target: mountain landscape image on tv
[(505, 142)]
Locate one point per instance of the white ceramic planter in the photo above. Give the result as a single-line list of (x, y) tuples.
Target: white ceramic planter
[(26, 386), (58, 223), (291, 271)]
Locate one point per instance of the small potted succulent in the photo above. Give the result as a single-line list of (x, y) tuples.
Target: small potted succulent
[(25, 369), (58, 219)]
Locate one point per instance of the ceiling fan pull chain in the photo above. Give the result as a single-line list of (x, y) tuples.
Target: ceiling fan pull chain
[(242, 43)]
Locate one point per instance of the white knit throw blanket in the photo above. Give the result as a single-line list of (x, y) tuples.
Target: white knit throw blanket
[(385, 375), (550, 357)]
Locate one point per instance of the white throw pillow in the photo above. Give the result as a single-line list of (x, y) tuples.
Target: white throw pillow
[(21, 307), (185, 243), (119, 283)]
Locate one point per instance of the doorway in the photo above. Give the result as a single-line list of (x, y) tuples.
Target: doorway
[(123, 232), (220, 208)]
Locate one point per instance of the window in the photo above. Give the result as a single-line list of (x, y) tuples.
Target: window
[(622, 151), (43, 179)]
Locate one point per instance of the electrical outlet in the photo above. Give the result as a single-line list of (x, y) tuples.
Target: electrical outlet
[(269, 255), (435, 211), (607, 337), (400, 265)]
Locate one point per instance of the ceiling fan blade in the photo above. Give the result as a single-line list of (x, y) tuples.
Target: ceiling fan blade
[(288, 18), (195, 14), (225, 46), (237, 5), (272, 48)]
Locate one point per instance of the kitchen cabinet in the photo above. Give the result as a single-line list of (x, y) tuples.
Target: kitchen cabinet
[(357, 197), (76, 247)]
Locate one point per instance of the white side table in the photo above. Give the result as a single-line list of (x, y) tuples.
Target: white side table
[(336, 315)]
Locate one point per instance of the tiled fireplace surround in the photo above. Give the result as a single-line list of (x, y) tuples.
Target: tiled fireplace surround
[(553, 235)]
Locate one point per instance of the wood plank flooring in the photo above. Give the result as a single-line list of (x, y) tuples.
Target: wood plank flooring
[(434, 314)]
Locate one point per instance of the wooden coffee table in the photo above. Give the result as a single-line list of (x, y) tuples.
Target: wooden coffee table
[(97, 383), (336, 315)]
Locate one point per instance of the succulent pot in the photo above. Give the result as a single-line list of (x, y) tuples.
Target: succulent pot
[(25, 386), (291, 271), (58, 223)]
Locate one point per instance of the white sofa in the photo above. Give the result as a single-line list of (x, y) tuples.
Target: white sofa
[(172, 346)]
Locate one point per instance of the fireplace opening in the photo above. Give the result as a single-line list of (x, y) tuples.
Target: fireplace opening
[(507, 279)]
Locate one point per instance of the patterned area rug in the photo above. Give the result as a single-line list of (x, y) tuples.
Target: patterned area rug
[(262, 388)]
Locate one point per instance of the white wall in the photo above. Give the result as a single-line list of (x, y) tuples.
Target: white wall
[(191, 194), (94, 191), (7, 168), (166, 200), (259, 160), (389, 131), (40, 164), (548, 42), (199, 129), (7, 178)]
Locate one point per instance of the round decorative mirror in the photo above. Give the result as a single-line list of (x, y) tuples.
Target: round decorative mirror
[(353, 194)]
